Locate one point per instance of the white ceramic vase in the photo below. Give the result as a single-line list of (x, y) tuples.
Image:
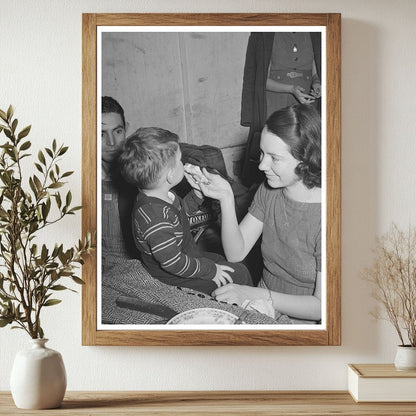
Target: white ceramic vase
[(38, 377), (405, 358)]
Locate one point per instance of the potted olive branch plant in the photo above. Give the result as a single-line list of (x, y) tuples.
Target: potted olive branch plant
[(31, 272), (393, 277)]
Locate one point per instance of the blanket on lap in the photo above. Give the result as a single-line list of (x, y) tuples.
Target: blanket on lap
[(129, 278)]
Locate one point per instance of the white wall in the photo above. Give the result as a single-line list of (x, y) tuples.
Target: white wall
[(40, 73)]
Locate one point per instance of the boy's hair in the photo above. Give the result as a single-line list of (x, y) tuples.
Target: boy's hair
[(299, 126), (110, 105), (145, 155)]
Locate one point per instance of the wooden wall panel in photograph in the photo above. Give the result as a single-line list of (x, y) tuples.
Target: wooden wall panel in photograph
[(143, 72), (189, 83), (215, 66)]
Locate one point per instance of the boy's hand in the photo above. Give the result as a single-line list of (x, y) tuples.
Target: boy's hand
[(222, 277)]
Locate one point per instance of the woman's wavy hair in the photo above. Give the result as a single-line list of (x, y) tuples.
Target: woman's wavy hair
[(299, 126), (145, 155)]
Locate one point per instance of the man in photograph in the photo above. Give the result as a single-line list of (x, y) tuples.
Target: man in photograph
[(116, 197)]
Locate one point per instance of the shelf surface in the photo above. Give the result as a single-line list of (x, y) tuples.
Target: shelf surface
[(206, 403)]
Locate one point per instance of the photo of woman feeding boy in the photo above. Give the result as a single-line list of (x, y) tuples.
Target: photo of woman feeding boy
[(190, 232)]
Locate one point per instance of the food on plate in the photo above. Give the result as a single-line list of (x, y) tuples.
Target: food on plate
[(204, 316)]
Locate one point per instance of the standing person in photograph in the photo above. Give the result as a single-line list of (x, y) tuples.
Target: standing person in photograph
[(116, 196), (281, 69), (286, 213), (151, 161)]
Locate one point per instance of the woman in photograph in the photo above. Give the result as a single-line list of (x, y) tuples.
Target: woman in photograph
[(285, 212), (281, 69)]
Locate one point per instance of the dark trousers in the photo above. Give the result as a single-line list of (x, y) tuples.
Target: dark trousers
[(240, 275)]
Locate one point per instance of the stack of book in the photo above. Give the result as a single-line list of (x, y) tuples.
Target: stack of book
[(381, 383)]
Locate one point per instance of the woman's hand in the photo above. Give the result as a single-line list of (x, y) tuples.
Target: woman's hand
[(301, 96), (195, 186), (237, 294), (217, 188), (316, 89)]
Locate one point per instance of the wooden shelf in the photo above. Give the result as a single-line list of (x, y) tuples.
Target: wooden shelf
[(178, 403)]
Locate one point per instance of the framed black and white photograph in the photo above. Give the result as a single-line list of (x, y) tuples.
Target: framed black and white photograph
[(214, 186)]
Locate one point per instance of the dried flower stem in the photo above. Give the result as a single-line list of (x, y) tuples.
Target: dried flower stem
[(393, 276)]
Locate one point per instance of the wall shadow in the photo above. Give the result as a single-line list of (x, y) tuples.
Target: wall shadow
[(360, 185)]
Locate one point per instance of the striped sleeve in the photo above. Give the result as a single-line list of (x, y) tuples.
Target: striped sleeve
[(162, 233)]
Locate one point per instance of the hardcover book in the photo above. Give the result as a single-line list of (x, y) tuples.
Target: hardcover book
[(381, 383)]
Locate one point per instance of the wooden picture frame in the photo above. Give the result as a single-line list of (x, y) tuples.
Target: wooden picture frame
[(331, 333)]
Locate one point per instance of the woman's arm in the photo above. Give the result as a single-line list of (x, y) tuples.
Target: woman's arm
[(296, 90), (276, 86), (295, 306), (237, 240), (300, 307)]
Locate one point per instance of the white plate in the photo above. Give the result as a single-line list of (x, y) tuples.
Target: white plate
[(204, 316)]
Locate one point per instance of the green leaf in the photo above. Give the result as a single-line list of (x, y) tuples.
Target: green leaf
[(24, 155), (62, 257), (54, 145), (25, 145), (77, 208), (5, 321), (56, 185), (39, 167), (10, 112), (3, 115), (33, 187), (41, 157), (54, 275), (14, 125), (76, 279), (8, 133), (63, 150), (34, 226), (24, 132), (51, 302), (59, 287), (45, 210), (67, 174), (66, 273), (44, 253), (68, 199), (34, 249), (37, 182), (49, 152), (57, 250), (58, 199), (5, 298), (40, 331)]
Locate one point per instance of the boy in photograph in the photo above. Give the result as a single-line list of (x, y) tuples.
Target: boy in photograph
[(151, 161)]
